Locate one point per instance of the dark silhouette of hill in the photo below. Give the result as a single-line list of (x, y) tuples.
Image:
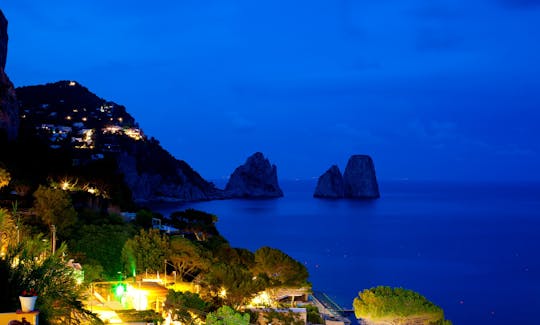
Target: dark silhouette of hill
[(67, 132)]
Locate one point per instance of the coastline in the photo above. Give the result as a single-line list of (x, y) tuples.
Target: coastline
[(450, 242)]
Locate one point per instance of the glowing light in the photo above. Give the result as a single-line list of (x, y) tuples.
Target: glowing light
[(68, 118), (223, 293), (72, 83), (119, 290), (262, 299), (112, 129), (87, 134), (138, 297), (65, 185), (108, 316), (133, 133)]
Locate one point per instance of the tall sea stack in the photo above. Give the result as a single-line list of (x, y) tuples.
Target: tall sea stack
[(256, 178), (9, 111), (359, 179)]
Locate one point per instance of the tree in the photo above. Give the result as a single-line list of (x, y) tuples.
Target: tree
[(147, 251), (225, 315), (313, 315), (232, 283), (28, 266), (5, 177), (186, 307), (187, 257), (281, 269), (401, 305), (226, 254), (101, 247), (54, 207), (143, 218)]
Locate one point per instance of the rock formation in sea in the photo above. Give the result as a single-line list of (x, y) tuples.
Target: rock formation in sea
[(359, 179), (9, 111), (330, 184), (257, 178)]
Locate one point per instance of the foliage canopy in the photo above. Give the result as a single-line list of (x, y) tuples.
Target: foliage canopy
[(54, 207), (225, 315), (147, 251), (396, 303), (186, 307), (281, 269)]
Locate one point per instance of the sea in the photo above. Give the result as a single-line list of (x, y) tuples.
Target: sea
[(471, 248)]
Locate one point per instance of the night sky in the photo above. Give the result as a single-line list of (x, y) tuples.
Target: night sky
[(432, 90)]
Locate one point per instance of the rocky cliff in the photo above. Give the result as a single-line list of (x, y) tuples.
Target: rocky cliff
[(359, 179), (257, 178), (9, 113), (153, 175), (330, 184)]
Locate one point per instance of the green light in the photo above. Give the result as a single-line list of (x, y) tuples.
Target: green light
[(119, 290)]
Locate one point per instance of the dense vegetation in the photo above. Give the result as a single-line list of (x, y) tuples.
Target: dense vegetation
[(26, 263), (111, 249), (396, 303)]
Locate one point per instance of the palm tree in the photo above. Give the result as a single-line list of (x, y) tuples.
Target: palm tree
[(28, 265)]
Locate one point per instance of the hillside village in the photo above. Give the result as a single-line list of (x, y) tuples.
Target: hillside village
[(92, 131)]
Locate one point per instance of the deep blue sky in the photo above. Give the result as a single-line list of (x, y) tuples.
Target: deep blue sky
[(430, 89)]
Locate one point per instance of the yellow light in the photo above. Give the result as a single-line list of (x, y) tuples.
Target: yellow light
[(65, 185), (108, 316), (262, 299), (138, 297), (72, 83), (133, 133), (223, 293)]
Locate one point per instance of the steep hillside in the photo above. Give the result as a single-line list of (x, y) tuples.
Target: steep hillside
[(82, 130)]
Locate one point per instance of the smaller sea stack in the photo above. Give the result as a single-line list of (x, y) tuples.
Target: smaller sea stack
[(330, 184)]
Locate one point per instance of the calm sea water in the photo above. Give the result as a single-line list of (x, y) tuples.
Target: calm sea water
[(473, 249)]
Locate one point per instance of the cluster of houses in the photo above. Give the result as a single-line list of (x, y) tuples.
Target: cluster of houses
[(94, 130)]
